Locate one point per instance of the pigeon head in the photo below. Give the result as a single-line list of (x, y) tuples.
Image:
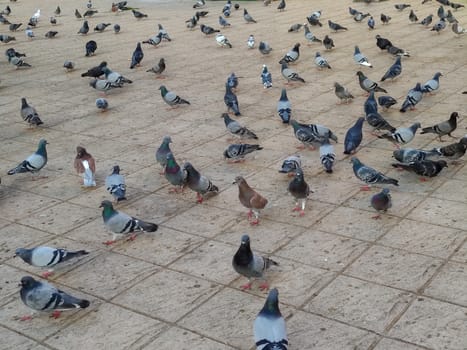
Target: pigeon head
[(245, 240), (166, 140), (24, 254), (41, 146), (360, 74), (188, 166), (415, 126), (27, 282), (442, 163), (357, 50), (106, 204), (163, 90), (81, 152), (317, 54), (265, 68), (271, 306), (116, 170), (437, 75), (385, 191), (454, 116), (239, 180), (355, 161)]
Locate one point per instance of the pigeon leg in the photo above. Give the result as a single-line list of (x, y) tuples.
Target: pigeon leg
[(376, 217), (290, 174), (365, 188), (264, 286), (199, 198), (56, 314), (256, 220), (108, 243), (312, 148), (132, 237), (302, 207), (301, 147), (47, 274), (26, 318), (422, 179), (246, 286)]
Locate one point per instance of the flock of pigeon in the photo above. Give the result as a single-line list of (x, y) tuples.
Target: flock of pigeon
[(269, 326)]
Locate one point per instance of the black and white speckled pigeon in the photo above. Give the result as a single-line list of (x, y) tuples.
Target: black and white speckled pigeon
[(42, 296), (251, 265), (34, 162), (236, 129), (426, 167), (269, 327), (29, 113), (237, 152), (413, 97), (407, 155), (115, 184), (223, 41), (327, 155), (290, 165), (443, 128), (353, 137), (171, 98), (284, 107), (198, 182), (369, 175), (381, 202), (266, 77), (292, 55), (163, 32)]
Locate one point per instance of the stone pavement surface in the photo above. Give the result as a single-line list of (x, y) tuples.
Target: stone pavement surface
[(346, 281)]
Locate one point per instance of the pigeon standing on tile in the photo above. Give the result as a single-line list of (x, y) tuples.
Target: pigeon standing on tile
[(426, 167), (377, 121), (83, 155), (264, 47), (353, 137), (394, 71), (305, 135), (369, 175), (29, 113), (114, 77), (174, 174), (121, 224), (439, 26), (158, 68), (432, 84), (284, 107), (91, 47), (289, 74), (231, 101), (171, 98), (236, 129), (137, 56), (101, 27), (251, 265), (248, 18), (402, 135), (103, 85), (443, 128), (368, 84), (413, 97), (266, 77), (328, 43), (427, 20), (386, 101), (295, 27), (42, 256), (407, 155), (290, 165), (84, 28), (115, 184), (269, 327), (138, 14), (370, 105), (335, 26), (198, 182), (42, 296), (360, 58), (309, 36), (382, 43), (342, 93), (381, 202), (292, 55), (250, 199), (223, 22), (300, 190), (34, 162), (454, 151), (321, 62), (237, 152), (327, 155), (163, 151)]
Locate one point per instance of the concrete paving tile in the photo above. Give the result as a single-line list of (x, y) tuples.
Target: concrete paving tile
[(13, 341), (452, 275), (106, 324), (391, 344), (359, 303), (395, 268), (461, 254), (452, 190), (184, 292), (23, 205), (433, 324), (324, 250), (185, 340), (10, 281), (314, 332), (422, 238)]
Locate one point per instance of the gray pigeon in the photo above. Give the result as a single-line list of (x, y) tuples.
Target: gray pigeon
[(163, 32), (174, 174), (115, 184), (223, 22), (292, 55), (42, 256), (328, 43), (42, 296), (430, 168), (443, 128), (321, 62), (266, 77), (309, 36), (402, 135), (6, 38), (289, 74), (158, 68), (439, 26), (102, 104), (360, 58), (117, 28), (327, 155), (34, 162), (84, 28), (251, 265), (137, 56), (269, 326), (248, 17), (290, 165), (114, 77), (29, 113), (377, 121), (368, 84), (237, 152), (295, 27), (407, 155), (101, 27), (394, 71), (68, 65), (369, 175), (370, 105), (198, 183), (171, 98), (121, 224), (432, 84), (163, 151), (353, 137), (335, 26), (342, 93), (381, 202), (231, 101), (284, 108), (18, 62), (264, 48), (457, 29), (413, 97), (103, 85), (300, 190), (427, 20), (305, 134), (236, 129)]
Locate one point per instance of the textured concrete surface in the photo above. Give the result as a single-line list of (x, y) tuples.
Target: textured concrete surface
[(346, 281)]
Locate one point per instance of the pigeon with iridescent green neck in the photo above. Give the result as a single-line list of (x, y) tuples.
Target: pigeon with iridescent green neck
[(174, 174), (34, 162)]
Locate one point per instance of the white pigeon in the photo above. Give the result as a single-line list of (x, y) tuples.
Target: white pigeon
[(88, 175)]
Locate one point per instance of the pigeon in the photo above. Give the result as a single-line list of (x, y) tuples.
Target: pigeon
[(18, 62), (457, 29), (375, 120), (439, 26), (77, 14), (353, 11), (236, 129), (231, 101), (138, 15), (386, 101), (51, 34), (453, 151), (382, 43), (396, 51), (232, 81), (289, 74), (342, 93), (402, 135), (300, 190), (401, 7), (101, 27), (95, 72), (237, 6), (450, 18), (407, 155), (369, 175), (29, 113), (6, 11), (174, 174), (42, 256), (13, 27), (85, 165), (198, 183), (163, 33), (237, 152), (432, 84), (223, 22), (103, 85), (443, 128), (89, 13), (251, 42), (394, 71), (335, 27), (327, 155), (309, 36), (321, 62), (429, 168), (208, 30), (121, 224), (281, 6), (269, 326), (305, 134), (328, 43), (266, 77), (456, 6), (360, 58), (413, 97), (84, 28), (42, 296), (370, 105), (68, 65), (115, 184), (102, 104), (295, 27), (11, 52), (368, 84), (34, 162), (314, 21), (292, 55), (264, 48), (248, 17), (53, 21), (251, 265), (371, 23), (290, 165), (441, 12), (171, 98), (29, 33), (158, 68), (360, 16), (91, 47), (250, 199), (385, 18), (3, 20), (381, 202), (199, 4), (222, 41), (427, 20), (114, 77), (284, 108), (320, 131), (353, 137), (199, 14), (191, 23), (163, 151), (89, 4), (413, 17), (137, 56), (116, 28)]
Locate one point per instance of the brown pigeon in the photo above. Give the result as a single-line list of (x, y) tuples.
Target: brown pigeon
[(250, 199)]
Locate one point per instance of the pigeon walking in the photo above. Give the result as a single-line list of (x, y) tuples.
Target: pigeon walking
[(427, 167), (248, 17), (427, 20), (368, 84), (34, 162), (309, 36), (29, 113), (103, 85), (328, 43), (91, 47), (251, 265), (266, 77), (251, 42), (381, 202), (413, 17), (289, 74), (281, 6), (114, 77), (300, 190), (207, 30), (295, 27), (321, 62), (305, 135), (237, 152), (264, 48), (250, 199), (223, 22), (137, 56), (457, 29), (369, 175), (174, 174), (284, 107), (443, 128), (222, 40), (95, 72), (198, 183), (386, 101), (453, 151), (394, 71), (84, 28), (402, 135), (163, 151), (115, 184), (335, 26), (432, 84), (292, 55), (353, 137), (371, 22), (81, 156), (342, 93), (171, 98), (382, 43), (290, 165), (407, 155), (236, 129), (232, 81), (327, 155), (158, 68), (360, 58), (413, 97), (138, 14), (385, 18), (231, 101), (101, 27)]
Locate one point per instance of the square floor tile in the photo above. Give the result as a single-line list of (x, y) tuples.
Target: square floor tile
[(453, 275), (13, 341)]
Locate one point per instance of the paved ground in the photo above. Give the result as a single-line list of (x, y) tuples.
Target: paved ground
[(345, 281)]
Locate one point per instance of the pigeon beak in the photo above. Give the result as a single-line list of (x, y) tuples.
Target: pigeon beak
[(101, 206)]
